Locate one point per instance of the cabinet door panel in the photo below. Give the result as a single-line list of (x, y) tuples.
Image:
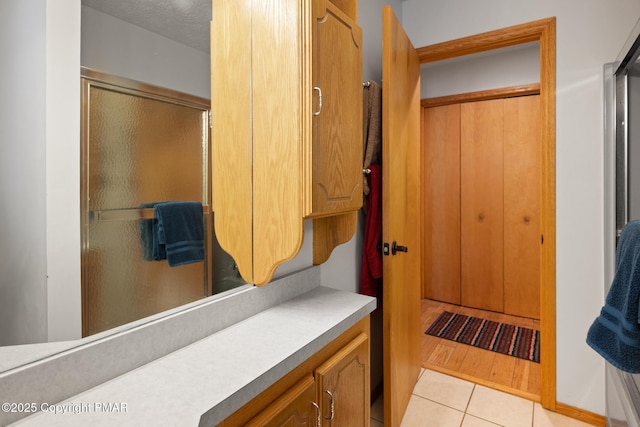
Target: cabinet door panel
[(343, 385), (441, 179), (292, 409), (336, 157), (482, 245), (522, 207)]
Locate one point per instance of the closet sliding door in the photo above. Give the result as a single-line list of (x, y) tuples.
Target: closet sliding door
[(481, 225)]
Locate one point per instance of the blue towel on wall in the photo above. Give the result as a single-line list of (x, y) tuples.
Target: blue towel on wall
[(179, 230), (615, 334)]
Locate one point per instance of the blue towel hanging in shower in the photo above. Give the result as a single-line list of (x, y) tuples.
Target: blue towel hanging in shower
[(179, 230), (615, 334)]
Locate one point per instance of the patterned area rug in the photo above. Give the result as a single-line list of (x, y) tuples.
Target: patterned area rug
[(516, 341)]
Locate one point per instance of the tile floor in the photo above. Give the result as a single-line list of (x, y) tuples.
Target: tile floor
[(443, 401)]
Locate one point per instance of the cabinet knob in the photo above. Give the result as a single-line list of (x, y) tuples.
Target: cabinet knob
[(317, 113), (481, 217)]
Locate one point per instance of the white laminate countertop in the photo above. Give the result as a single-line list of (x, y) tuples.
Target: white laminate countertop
[(205, 382)]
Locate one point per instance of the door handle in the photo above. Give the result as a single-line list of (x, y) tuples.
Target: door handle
[(317, 113), (398, 248)]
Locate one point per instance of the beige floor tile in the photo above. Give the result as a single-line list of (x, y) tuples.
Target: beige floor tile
[(544, 418), (471, 421), (422, 413), (444, 389), (376, 423), (500, 408), (377, 409)]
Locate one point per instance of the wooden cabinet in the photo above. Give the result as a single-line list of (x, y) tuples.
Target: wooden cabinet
[(296, 407), (286, 100), (332, 388), (335, 164), (343, 385), (482, 198)]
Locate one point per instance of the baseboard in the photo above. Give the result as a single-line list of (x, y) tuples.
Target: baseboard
[(581, 415)]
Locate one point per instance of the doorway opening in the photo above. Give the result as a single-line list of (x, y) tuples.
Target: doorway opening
[(542, 31)]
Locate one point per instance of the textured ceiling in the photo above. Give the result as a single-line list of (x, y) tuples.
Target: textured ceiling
[(185, 21)]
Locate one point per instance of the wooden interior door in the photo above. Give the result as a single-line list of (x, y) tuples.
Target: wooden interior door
[(402, 217), (441, 211), (522, 206), (481, 224)]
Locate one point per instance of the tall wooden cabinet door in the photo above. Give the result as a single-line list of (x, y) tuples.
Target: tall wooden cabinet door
[(402, 213), (482, 245), (343, 386), (334, 172), (295, 408), (441, 180), (522, 207)]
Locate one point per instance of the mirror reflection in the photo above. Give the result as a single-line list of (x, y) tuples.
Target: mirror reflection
[(122, 42)]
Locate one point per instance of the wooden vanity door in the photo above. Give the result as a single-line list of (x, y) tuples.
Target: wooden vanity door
[(402, 217), (343, 385), (294, 408)]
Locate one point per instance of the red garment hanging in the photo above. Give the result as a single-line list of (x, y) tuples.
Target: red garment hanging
[(371, 274)]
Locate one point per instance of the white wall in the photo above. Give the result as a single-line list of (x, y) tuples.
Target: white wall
[(117, 47), (589, 34), (511, 66), (23, 298)]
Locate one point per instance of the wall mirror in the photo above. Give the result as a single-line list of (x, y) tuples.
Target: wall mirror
[(184, 27)]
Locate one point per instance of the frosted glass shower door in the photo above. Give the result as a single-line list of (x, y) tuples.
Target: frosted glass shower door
[(139, 147)]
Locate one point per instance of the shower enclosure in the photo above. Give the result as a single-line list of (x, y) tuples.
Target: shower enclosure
[(622, 200), (141, 145)]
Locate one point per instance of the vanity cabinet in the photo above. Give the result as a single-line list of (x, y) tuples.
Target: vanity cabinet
[(332, 388), (286, 101)]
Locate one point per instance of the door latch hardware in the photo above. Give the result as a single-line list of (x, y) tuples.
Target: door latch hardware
[(385, 249), (397, 248)]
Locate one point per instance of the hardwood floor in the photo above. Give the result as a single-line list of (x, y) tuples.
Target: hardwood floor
[(488, 368)]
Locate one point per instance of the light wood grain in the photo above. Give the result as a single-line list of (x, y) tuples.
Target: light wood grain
[(346, 377), (349, 7), (506, 373), (522, 207), (481, 223), (482, 95), (331, 231), (547, 37), (231, 144), (441, 212), (277, 85), (294, 408), (335, 184), (402, 217), (504, 37)]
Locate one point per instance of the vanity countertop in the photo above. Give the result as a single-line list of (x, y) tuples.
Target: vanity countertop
[(203, 383)]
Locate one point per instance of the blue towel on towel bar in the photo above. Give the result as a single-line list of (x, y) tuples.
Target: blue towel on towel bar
[(179, 230), (151, 250), (615, 334)]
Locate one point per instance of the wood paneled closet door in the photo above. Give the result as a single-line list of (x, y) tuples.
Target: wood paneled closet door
[(522, 237), (441, 175), (481, 201), (481, 168)]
